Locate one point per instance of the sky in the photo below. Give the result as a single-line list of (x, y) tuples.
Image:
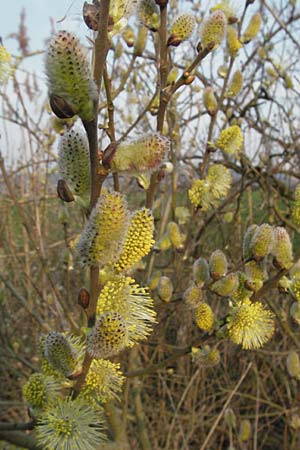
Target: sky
[(38, 14), (65, 14)]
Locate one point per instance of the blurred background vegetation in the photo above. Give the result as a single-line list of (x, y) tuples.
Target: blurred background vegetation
[(169, 402)]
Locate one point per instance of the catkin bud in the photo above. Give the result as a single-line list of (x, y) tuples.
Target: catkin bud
[(256, 270), (210, 101), (233, 42), (148, 13), (128, 36), (165, 289), (193, 296), (138, 241), (205, 357), (74, 162), (235, 85), (59, 353), (252, 28), (213, 29), (142, 155), (293, 365), (247, 241), (242, 292), (217, 265), (230, 140), (175, 236), (262, 241), (64, 192), (226, 286), (282, 249), (141, 41), (230, 418), (164, 243), (70, 81), (108, 337), (295, 312), (245, 430), (181, 29), (204, 317), (101, 240), (172, 76), (200, 272)]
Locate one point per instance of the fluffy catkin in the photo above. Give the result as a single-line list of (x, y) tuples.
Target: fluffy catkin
[(59, 353), (141, 155), (214, 29), (101, 240), (139, 240), (108, 337), (181, 29), (74, 162), (69, 75)]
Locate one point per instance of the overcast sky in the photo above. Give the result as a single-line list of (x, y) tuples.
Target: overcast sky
[(64, 13)]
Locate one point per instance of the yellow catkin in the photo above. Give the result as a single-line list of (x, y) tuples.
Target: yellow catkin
[(252, 28), (210, 101), (193, 296), (235, 85), (141, 41), (214, 29), (138, 241), (205, 356), (35, 390), (245, 430), (293, 364), (226, 286), (181, 29), (103, 382), (230, 140), (233, 42), (142, 155), (250, 324), (204, 317), (132, 302), (175, 236), (282, 249), (165, 289), (207, 193), (218, 264), (101, 240), (108, 337), (262, 241)]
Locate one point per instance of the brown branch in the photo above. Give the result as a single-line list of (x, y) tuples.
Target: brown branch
[(20, 439), (100, 53)]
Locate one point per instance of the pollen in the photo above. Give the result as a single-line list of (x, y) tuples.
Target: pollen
[(250, 324)]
